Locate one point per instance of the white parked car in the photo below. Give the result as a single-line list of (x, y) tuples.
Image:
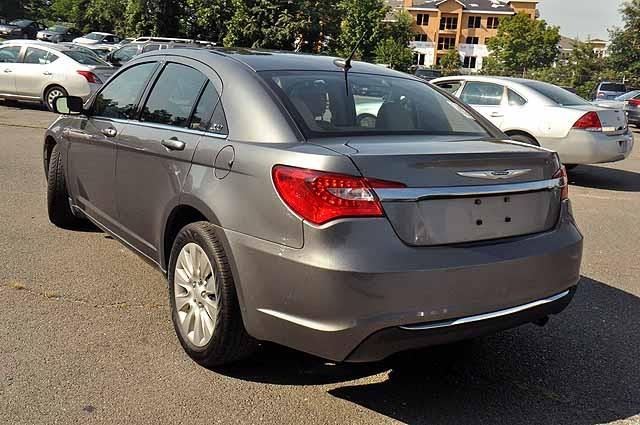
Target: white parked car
[(43, 71), (98, 38), (542, 114)]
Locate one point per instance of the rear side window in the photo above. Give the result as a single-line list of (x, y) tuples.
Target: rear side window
[(125, 54), (204, 117), (150, 47), (39, 57), (119, 98), (450, 86), (9, 54), (515, 99), (482, 94), (174, 95)]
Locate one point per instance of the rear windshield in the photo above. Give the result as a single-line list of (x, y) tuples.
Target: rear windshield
[(323, 106), (20, 23), (617, 87), (57, 28), (94, 36), (84, 58), (630, 95), (556, 94)]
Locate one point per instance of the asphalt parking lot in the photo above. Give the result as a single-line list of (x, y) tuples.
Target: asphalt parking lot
[(86, 337)]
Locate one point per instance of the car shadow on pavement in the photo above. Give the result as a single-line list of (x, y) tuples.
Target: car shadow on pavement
[(597, 177), (34, 106), (582, 368)]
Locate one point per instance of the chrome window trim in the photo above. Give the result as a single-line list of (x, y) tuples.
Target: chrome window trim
[(486, 316), (413, 194)]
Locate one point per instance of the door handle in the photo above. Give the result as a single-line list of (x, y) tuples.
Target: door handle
[(109, 132), (497, 115), (8, 70), (173, 144), (47, 73)]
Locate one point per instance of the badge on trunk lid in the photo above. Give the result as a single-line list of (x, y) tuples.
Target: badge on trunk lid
[(494, 174)]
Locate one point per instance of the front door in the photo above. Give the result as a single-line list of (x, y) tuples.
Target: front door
[(92, 149), (486, 98), (9, 57), (154, 157)]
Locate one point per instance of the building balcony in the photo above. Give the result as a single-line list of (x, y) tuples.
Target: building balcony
[(478, 50), (422, 46)]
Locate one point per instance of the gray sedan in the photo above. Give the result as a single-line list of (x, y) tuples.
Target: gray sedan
[(277, 215)]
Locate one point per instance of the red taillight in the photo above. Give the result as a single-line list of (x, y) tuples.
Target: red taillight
[(589, 122), (90, 77), (634, 102), (564, 182), (600, 94), (320, 197)]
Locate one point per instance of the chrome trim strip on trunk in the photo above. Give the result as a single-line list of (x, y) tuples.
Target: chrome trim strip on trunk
[(412, 194), (486, 316)]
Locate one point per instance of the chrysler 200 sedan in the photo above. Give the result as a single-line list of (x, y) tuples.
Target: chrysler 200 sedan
[(247, 178)]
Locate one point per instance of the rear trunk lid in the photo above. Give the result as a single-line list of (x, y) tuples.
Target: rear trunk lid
[(103, 72), (459, 191), (613, 120)]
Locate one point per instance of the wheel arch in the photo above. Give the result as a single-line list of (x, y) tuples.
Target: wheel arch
[(514, 132), (49, 144), (48, 87)]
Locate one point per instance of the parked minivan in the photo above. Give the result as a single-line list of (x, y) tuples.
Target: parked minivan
[(608, 90), (248, 179)]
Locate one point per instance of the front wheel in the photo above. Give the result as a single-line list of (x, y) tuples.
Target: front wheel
[(204, 303), (58, 206)]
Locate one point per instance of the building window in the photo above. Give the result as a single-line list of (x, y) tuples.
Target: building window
[(423, 19), (449, 23), (493, 23), (475, 22), (422, 37), (469, 62), (446, 43), (472, 40), (419, 59)]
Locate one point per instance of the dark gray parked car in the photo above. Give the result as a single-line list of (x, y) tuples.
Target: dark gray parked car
[(248, 179)]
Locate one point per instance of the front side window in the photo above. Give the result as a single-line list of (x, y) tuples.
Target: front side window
[(482, 94), (39, 56), (9, 54), (174, 95), (373, 104), (119, 97)]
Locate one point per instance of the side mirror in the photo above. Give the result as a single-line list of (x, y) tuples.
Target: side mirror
[(68, 105)]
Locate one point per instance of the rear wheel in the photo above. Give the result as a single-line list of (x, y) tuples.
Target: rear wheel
[(58, 206), (204, 303), (52, 94), (523, 138)]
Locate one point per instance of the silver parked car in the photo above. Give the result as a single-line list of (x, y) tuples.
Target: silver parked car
[(246, 177), (542, 114), (41, 72)]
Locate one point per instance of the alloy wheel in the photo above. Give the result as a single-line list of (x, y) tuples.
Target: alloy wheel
[(195, 295), (53, 95)]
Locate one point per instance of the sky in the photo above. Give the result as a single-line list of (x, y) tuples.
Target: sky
[(582, 18)]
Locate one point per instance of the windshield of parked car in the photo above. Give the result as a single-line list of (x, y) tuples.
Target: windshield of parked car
[(555, 94), (617, 87), (20, 23), (629, 95), (373, 104), (94, 36), (57, 28), (85, 58)]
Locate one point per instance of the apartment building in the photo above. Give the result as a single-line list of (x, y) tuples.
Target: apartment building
[(465, 25)]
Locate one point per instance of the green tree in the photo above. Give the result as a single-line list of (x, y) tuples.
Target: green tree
[(450, 63), (360, 17), (207, 19), (521, 44), (262, 24), (624, 51), (393, 50)]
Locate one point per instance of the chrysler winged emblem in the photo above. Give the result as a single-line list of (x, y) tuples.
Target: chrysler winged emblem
[(494, 174)]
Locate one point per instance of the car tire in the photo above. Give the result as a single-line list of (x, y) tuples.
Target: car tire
[(58, 208), (523, 138), (52, 94), (205, 299)]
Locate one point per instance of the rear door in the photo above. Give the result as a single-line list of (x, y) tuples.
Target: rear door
[(91, 158), (486, 98), (154, 157), (9, 57), (34, 73)]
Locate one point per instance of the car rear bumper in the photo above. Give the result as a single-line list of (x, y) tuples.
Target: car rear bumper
[(584, 147), (354, 279)]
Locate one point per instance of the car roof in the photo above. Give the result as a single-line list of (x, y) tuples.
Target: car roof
[(98, 32), (269, 60)]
